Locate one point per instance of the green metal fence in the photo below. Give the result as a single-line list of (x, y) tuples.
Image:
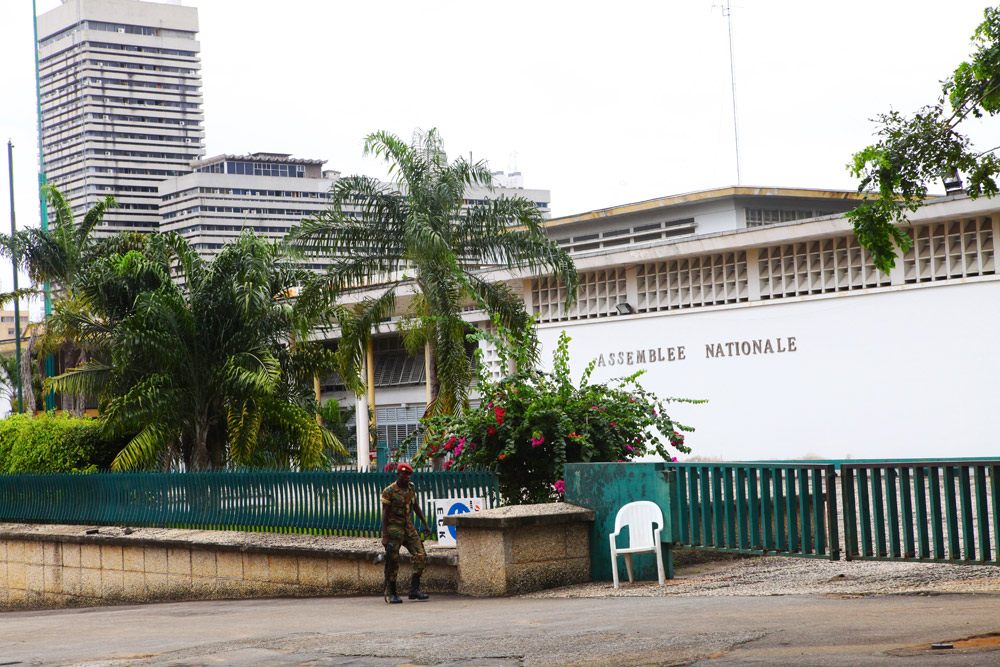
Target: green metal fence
[(327, 503), (943, 511), (752, 508)]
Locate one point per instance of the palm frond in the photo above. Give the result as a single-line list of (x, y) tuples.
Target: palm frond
[(143, 450), (243, 430), (92, 219), (88, 379), (356, 328)]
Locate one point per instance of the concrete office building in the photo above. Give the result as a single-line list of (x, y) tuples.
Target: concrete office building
[(798, 342), (121, 103), (267, 192), (225, 194)]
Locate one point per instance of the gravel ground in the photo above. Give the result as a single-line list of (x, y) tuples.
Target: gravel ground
[(771, 575)]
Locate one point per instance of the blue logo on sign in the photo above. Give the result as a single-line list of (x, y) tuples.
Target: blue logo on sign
[(457, 508)]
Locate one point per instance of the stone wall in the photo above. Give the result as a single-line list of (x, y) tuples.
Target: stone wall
[(523, 548), (57, 566)]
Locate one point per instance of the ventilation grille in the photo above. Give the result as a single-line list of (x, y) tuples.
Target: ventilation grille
[(490, 358), (814, 267), (954, 249), (393, 370), (393, 424), (696, 281), (599, 292)]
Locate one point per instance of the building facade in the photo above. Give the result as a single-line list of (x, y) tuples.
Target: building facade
[(801, 346), (121, 104), (268, 193), (223, 195)]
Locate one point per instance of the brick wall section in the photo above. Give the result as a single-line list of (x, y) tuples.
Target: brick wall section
[(59, 568)]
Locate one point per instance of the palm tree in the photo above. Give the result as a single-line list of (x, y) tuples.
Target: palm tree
[(417, 231), (53, 258), (193, 357)]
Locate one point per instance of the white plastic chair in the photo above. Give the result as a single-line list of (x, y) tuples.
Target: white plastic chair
[(639, 517)]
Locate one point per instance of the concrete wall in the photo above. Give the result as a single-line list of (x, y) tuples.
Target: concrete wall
[(63, 568), (893, 374), (522, 548)]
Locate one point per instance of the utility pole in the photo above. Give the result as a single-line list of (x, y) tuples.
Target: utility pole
[(50, 362), (17, 300)]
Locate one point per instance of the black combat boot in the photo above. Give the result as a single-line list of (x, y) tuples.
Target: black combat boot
[(415, 593), (393, 596)]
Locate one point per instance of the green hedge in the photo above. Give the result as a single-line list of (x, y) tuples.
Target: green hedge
[(50, 443)]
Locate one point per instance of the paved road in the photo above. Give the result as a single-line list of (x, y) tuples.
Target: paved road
[(462, 632)]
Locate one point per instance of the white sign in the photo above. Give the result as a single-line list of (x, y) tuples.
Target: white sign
[(446, 506)]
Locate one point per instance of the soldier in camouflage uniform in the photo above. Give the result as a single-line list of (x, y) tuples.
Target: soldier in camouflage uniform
[(399, 501)]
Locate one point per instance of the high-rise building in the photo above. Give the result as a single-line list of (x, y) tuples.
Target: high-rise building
[(121, 104)]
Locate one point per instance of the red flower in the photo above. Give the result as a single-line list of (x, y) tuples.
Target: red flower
[(491, 430), (502, 457)]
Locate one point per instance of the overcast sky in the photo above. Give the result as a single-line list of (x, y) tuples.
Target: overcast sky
[(600, 103)]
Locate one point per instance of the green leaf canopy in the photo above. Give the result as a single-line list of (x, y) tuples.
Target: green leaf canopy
[(420, 230), (194, 357)]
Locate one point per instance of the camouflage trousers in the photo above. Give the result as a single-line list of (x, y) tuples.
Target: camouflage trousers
[(404, 537)]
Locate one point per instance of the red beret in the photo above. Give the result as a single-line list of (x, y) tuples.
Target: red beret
[(405, 466)]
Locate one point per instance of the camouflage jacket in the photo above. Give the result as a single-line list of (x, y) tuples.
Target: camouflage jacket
[(397, 505)]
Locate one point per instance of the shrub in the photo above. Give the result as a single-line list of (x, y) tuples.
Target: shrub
[(50, 443), (530, 424)]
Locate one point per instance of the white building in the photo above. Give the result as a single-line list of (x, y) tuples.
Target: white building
[(800, 345), (121, 103), (267, 192)]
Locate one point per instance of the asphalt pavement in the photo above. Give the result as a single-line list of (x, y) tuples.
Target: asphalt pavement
[(453, 631)]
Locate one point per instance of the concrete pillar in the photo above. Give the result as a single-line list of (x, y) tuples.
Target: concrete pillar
[(361, 426)]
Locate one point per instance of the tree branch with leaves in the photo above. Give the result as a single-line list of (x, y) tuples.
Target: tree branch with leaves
[(916, 150)]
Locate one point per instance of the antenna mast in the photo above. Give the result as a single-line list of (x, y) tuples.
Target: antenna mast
[(727, 11)]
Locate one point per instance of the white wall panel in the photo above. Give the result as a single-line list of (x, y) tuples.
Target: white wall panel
[(903, 373)]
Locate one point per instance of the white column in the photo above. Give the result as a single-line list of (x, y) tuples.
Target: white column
[(361, 421), (632, 286)]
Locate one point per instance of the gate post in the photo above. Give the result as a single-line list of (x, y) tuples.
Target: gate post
[(831, 512), (604, 488)]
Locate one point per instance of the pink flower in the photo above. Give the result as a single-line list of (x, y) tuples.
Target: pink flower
[(630, 448), (673, 459), (559, 486), (537, 441)]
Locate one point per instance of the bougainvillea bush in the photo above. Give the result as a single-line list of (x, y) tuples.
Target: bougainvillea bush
[(531, 423)]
